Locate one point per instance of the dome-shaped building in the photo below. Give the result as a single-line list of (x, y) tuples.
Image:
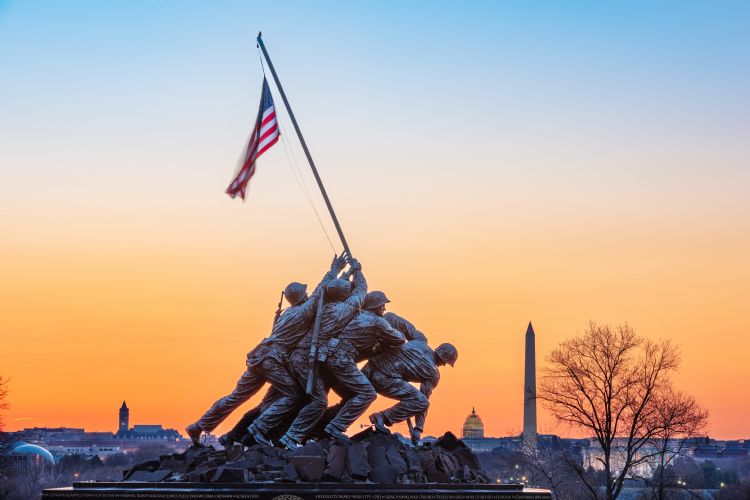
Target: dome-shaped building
[(21, 449), (473, 426)]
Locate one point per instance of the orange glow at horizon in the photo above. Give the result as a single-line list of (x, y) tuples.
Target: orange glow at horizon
[(164, 320)]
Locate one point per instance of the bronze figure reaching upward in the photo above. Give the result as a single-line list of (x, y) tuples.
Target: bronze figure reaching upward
[(342, 303), (266, 363)]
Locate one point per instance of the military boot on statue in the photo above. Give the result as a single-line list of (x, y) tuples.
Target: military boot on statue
[(194, 433), (258, 436), (336, 434), (379, 422), (226, 440), (289, 443)]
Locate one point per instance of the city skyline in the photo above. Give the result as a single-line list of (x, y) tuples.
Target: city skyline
[(599, 173), (529, 403)]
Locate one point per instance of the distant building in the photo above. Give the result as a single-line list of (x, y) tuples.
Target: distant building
[(717, 451), (23, 455), (734, 449), (36, 434), (529, 389), (149, 432), (473, 435), (487, 445), (124, 417), (84, 448), (75, 441), (473, 430), (473, 426), (69, 441)]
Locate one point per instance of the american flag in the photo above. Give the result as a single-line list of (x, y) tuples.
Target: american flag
[(264, 135)]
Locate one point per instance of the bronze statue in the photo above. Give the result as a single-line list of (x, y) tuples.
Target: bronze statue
[(266, 363), (342, 303), (350, 326), (353, 344), (391, 372), (239, 433)]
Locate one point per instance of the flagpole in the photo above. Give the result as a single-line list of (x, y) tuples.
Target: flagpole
[(304, 145)]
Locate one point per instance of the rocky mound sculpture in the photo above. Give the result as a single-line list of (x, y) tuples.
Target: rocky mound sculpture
[(371, 457)]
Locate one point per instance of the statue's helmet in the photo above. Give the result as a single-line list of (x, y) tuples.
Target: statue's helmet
[(295, 292), (375, 299), (447, 352), (338, 289)]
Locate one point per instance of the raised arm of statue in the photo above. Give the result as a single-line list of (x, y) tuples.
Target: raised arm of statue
[(357, 298), (337, 315), (389, 335), (404, 326), (337, 265)]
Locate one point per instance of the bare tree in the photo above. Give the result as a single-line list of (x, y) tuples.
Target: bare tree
[(556, 468), (680, 419), (608, 381), (4, 405), (31, 479)]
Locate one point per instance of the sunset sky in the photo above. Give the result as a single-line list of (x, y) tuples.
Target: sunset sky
[(492, 163)]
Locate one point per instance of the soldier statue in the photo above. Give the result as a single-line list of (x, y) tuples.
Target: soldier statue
[(342, 303), (240, 433), (355, 343), (391, 371), (266, 363)]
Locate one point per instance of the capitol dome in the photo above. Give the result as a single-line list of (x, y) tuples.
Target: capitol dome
[(473, 426)]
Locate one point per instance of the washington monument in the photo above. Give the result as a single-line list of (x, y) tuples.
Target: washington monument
[(529, 390)]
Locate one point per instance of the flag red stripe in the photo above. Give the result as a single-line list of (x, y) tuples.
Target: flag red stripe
[(264, 148), (270, 117), (268, 132)]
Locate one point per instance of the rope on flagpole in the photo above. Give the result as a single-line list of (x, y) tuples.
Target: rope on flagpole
[(297, 177), (260, 56), (294, 166), (303, 187), (314, 169)]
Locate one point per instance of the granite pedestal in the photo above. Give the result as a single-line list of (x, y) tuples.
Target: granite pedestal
[(373, 466), (320, 491)]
